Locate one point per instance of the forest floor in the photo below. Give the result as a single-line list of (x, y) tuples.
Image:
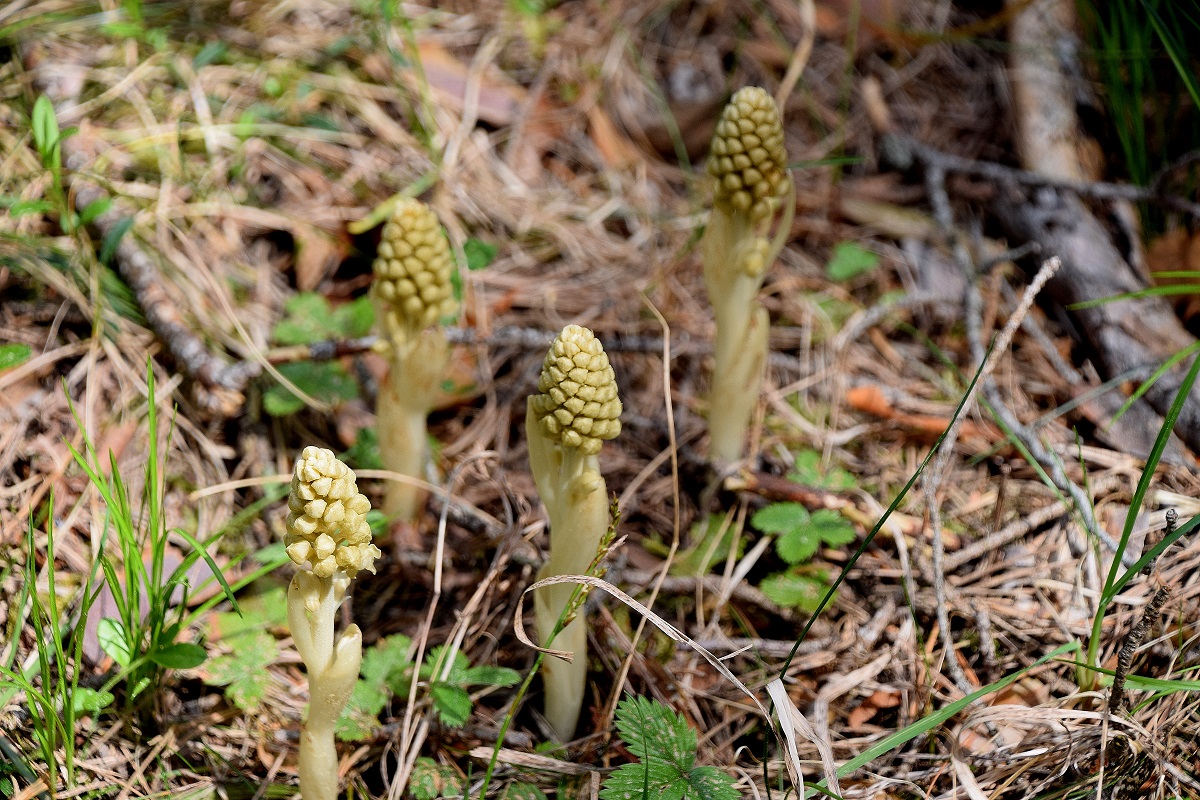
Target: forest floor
[(250, 149)]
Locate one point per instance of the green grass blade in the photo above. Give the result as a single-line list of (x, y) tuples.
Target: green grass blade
[(1147, 557), (1143, 485), (198, 549), (938, 717), (862, 548), (1147, 384), (1175, 51), (1151, 291)]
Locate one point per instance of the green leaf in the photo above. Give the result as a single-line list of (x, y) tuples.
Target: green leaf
[(320, 122), (120, 297), (666, 745), (452, 703), (111, 636), (808, 471), (832, 528), (211, 53), (364, 454), (90, 701), (355, 318), (704, 552), (798, 540), (520, 790), (109, 246), (325, 380), (385, 671), (479, 253), (430, 780), (849, 260), (490, 676), (180, 655), (267, 609), (654, 732), (360, 718), (795, 588), (45, 128), (387, 661), (122, 30), (798, 545), (711, 783), (308, 320), (244, 670), (378, 521), (458, 669), (780, 518), (94, 209), (142, 685), (23, 207), (14, 355)]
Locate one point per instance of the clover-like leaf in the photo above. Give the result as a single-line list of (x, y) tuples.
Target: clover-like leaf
[(780, 518), (831, 527), (308, 318), (807, 470), (325, 380), (244, 670), (797, 588)]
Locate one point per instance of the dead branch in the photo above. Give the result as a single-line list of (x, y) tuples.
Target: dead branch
[(220, 386), (1127, 334), (904, 151)]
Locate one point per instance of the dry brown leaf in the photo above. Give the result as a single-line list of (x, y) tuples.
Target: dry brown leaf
[(113, 442), (500, 97), (868, 708), (1176, 250), (618, 152), (870, 399), (317, 256), (1028, 691)]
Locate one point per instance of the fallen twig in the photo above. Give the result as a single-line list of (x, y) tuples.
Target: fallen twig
[(220, 385), (905, 149)]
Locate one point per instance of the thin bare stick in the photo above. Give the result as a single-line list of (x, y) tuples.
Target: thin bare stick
[(933, 478), (933, 158)]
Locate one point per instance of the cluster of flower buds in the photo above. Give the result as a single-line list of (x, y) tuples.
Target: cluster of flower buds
[(748, 159), (577, 402), (327, 517), (412, 270)]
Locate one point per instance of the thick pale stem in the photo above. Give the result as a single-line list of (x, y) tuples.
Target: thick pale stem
[(741, 358), (414, 380), (576, 499), (332, 671), (737, 372), (736, 258)]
